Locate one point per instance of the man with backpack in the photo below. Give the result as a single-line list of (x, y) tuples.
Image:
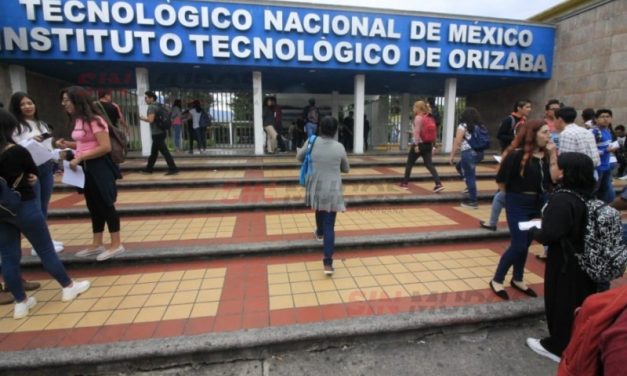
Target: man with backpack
[(159, 118)]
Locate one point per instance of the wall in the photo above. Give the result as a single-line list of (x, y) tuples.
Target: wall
[(589, 69), (45, 90)]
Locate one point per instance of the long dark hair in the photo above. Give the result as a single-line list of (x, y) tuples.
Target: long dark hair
[(578, 170), (14, 108), (83, 106), (8, 125), (470, 116), (526, 140)]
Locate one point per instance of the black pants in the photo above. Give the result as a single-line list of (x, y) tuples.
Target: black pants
[(158, 145), (425, 150), (99, 211)]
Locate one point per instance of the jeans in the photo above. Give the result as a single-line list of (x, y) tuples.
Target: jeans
[(202, 138), (519, 208), (158, 145), (310, 128), (604, 189), (425, 151), (498, 203), (178, 130), (469, 161), (325, 225), (32, 224), (43, 190)]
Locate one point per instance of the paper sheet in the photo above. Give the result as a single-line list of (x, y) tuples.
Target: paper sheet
[(39, 152), (524, 226), (75, 178), (498, 158)]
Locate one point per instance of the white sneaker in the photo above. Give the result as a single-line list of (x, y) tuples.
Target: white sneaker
[(70, 293), (90, 251), (110, 253), (58, 248), (58, 244), (21, 309), (535, 345)]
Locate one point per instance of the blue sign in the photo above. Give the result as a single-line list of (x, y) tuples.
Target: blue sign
[(194, 32)]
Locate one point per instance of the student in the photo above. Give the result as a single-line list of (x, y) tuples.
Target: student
[(158, 137), (18, 169), (425, 131), (566, 285), (603, 137), (324, 185), (525, 177), (469, 119)]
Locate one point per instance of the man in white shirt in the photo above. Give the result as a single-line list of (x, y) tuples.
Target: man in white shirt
[(572, 138)]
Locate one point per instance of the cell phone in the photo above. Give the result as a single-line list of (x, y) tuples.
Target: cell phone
[(45, 136)]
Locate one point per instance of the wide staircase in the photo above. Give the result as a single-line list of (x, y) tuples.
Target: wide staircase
[(221, 260)]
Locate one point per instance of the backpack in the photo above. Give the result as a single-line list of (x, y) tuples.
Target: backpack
[(479, 138), (313, 115), (598, 312), (117, 139), (205, 119), (604, 256), (428, 132), (163, 119), (10, 198), (305, 168)]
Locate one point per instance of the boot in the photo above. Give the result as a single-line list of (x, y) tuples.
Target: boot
[(5, 296)]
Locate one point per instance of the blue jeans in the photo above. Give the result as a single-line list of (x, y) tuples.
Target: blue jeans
[(605, 190), (310, 128), (498, 202), (469, 161), (178, 144), (43, 190), (519, 208), (325, 225), (33, 225)]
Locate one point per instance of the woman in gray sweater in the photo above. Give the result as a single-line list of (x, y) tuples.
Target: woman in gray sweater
[(324, 185)]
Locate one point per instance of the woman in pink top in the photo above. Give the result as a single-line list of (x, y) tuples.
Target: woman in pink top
[(91, 142)]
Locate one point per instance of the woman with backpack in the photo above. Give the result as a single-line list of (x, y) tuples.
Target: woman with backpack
[(469, 119), (425, 132), (91, 142), (566, 284), (525, 176)]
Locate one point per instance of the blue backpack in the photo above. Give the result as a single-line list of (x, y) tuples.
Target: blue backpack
[(479, 138), (305, 168)]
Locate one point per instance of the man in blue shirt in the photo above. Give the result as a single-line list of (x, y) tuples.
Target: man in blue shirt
[(603, 137)]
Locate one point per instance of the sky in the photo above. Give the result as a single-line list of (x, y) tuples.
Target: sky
[(513, 9)]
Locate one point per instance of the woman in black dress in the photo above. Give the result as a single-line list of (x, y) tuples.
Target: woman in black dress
[(566, 285)]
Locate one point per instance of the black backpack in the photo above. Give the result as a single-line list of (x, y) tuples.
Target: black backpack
[(163, 119)]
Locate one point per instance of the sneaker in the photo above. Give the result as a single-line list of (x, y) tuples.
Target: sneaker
[(30, 286), (535, 345), (404, 185), (328, 270), (469, 205), (21, 309), (57, 243), (70, 293), (110, 253), (172, 172), (145, 172), (486, 226), (318, 237), (438, 188), (91, 251), (6, 298), (465, 191), (58, 248)]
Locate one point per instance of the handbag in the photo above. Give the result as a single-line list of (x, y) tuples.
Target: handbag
[(10, 199), (305, 168)]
